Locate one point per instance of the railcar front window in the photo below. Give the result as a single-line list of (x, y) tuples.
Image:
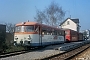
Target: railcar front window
[(19, 29), (29, 28)]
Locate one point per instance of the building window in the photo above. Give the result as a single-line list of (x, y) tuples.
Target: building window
[(68, 23)]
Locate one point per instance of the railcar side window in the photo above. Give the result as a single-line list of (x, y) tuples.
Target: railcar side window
[(29, 28), (62, 32), (59, 33), (55, 32), (52, 32), (37, 29), (46, 31), (49, 32)]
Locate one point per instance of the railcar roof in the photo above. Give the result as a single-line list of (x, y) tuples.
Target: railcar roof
[(35, 23), (27, 23)]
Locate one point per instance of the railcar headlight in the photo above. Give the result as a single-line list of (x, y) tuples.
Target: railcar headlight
[(29, 37), (16, 38)]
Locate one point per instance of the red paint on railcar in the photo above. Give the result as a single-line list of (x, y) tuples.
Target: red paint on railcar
[(71, 35)]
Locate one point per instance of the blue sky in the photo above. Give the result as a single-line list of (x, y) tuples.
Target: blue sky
[(15, 11)]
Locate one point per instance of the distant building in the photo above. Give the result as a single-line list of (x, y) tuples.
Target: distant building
[(86, 34), (71, 24)]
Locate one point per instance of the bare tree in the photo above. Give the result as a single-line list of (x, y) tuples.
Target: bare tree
[(10, 27), (52, 15), (39, 16)]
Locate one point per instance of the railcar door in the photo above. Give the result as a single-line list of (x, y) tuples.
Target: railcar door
[(40, 35), (38, 29)]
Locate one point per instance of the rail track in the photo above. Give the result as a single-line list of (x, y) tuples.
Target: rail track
[(62, 56), (12, 53), (69, 54), (3, 55)]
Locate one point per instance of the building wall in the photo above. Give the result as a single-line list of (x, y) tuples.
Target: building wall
[(70, 25), (9, 38), (2, 36)]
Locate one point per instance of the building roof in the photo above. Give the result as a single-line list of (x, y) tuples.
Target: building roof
[(74, 20)]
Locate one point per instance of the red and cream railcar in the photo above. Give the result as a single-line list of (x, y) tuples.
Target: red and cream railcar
[(36, 34), (71, 35)]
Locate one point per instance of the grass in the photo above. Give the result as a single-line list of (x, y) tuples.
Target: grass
[(14, 48)]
